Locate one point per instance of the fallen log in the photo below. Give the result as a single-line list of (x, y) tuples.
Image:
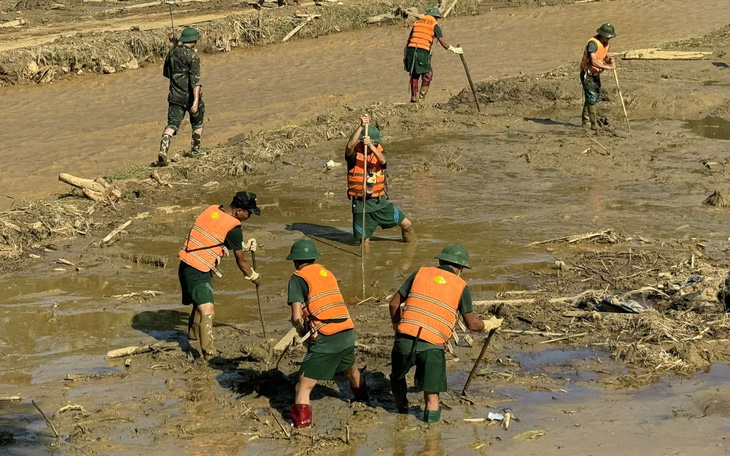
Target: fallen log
[(139, 349), (561, 300), (528, 332), (78, 377), (82, 183), (15, 23), (658, 54), (608, 236), (10, 398), (448, 11), (570, 336), (285, 341)]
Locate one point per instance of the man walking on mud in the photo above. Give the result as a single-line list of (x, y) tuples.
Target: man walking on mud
[(424, 312), (596, 60), (182, 68), (417, 58), (379, 211), (318, 309), (215, 232)]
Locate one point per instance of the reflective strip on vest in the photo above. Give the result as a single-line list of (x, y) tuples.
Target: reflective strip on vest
[(423, 33), (432, 305), (355, 175), (204, 247), (586, 63), (325, 309)]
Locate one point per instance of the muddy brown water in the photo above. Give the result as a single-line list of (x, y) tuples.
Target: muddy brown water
[(97, 124), (55, 323)]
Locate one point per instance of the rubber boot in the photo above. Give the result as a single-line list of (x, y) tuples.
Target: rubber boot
[(207, 346), (593, 116), (586, 119), (361, 392), (194, 325), (414, 90), (432, 416), (301, 415), (408, 234), (422, 93), (195, 150), (164, 147), (402, 403)]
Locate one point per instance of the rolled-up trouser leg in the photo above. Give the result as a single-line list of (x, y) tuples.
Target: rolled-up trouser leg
[(414, 88)]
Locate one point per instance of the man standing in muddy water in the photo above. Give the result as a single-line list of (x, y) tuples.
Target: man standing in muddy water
[(182, 68), (215, 232), (417, 56), (424, 325), (596, 60), (318, 309), (379, 211)]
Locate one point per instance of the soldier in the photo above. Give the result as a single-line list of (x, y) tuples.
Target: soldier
[(182, 68), (596, 60)]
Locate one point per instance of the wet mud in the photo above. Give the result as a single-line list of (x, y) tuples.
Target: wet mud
[(578, 377)]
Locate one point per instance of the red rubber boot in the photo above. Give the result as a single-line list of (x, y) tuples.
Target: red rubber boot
[(301, 415)]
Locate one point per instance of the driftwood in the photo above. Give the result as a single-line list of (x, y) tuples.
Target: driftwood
[(151, 4), (658, 54), (308, 19), (94, 189), (15, 23), (285, 341), (115, 231), (70, 407), (448, 10), (139, 349), (53, 428), (608, 236), (562, 300), (10, 398), (530, 333), (570, 336), (77, 377)]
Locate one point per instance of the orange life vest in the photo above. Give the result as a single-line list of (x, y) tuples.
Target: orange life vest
[(601, 53), (432, 305), (423, 33), (376, 173), (325, 309), (204, 248)]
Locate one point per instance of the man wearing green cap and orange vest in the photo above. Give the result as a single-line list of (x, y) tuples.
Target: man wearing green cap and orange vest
[(596, 59), (318, 309), (216, 232), (182, 68), (417, 59), (379, 211), (424, 312)]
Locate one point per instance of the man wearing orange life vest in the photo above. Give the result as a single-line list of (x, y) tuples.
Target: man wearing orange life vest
[(417, 58), (215, 232), (424, 313), (595, 61), (379, 211), (318, 309)]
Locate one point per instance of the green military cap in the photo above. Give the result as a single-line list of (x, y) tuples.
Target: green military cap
[(606, 30), (455, 254), (374, 134), (303, 249), (434, 11), (189, 35)]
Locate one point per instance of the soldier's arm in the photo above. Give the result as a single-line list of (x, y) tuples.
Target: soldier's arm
[(243, 263), (394, 307), (297, 318), (195, 78), (596, 62), (352, 142), (472, 322), (379, 155)]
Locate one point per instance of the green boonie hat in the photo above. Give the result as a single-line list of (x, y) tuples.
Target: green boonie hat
[(303, 249), (189, 35), (454, 254), (606, 30), (434, 11), (374, 134)]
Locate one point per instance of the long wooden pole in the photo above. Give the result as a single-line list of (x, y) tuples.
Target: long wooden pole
[(481, 355), (468, 77), (623, 105), (364, 197), (258, 298)]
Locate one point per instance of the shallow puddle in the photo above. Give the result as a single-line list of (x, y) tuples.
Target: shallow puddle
[(711, 127)]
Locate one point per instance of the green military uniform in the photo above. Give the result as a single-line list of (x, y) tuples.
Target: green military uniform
[(418, 61), (196, 285), (379, 212), (182, 68), (328, 354), (430, 359)]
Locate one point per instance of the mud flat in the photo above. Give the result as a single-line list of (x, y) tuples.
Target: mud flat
[(565, 228)]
